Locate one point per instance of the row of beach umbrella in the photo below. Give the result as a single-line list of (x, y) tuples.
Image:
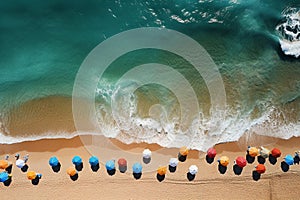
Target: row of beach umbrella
[(239, 163)]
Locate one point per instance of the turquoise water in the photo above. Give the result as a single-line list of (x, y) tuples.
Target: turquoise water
[(44, 43)]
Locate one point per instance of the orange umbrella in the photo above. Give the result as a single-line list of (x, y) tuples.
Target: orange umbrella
[(253, 151), (183, 151), (260, 168), (162, 170), (276, 153), (224, 161), (3, 164), (31, 175), (71, 171)]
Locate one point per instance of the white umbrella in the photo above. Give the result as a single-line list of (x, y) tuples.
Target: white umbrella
[(20, 163), (193, 169), (147, 153), (264, 152), (173, 162)]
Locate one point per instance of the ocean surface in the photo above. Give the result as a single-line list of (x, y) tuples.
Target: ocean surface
[(43, 44)]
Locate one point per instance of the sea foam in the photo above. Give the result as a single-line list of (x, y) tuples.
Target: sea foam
[(289, 32)]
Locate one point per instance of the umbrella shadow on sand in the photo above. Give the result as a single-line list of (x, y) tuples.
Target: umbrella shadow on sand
[(284, 166), (35, 181), (222, 169), (95, 168), (172, 169), (137, 175), (160, 178), (7, 182), (25, 168), (182, 158), (255, 175), (111, 172), (261, 160), (272, 159), (9, 169), (209, 160), (79, 167), (296, 160), (190, 176), (237, 169), (74, 177), (56, 168), (250, 159)]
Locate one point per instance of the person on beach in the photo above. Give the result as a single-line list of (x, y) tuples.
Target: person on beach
[(22, 163), (297, 157)]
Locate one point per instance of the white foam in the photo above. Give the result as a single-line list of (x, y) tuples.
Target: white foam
[(289, 32), (290, 48)]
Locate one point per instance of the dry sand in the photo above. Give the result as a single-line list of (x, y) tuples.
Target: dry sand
[(208, 184)]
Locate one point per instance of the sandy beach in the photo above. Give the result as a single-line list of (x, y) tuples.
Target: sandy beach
[(208, 184)]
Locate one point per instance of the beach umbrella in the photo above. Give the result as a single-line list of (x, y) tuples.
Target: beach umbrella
[(71, 171), (93, 161), (137, 168), (260, 168), (20, 163), (264, 152), (241, 161), (110, 165), (173, 162), (193, 169), (183, 151), (224, 161), (147, 153), (4, 176), (289, 159), (253, 151), (3, 164), (162, 170), (122, 162), (53, 161), (76, 160), (211, 152), (31, 175), (276, 153)]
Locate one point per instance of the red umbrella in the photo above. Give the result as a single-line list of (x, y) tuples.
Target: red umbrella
[(241, 161), (122, 162), (211, 153), (276, 153), (260, 168)]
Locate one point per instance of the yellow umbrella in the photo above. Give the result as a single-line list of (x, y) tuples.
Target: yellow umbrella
[(183, 151), (3, 164), (162, 170), (224, 161), (253, 151), (31, 175), (71, 171)]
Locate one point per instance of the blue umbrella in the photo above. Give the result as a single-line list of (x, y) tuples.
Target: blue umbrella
[(3, 176), (93, 161), (289, 159), (137, 168), (76, 160), (110, 165), (53, 161)]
